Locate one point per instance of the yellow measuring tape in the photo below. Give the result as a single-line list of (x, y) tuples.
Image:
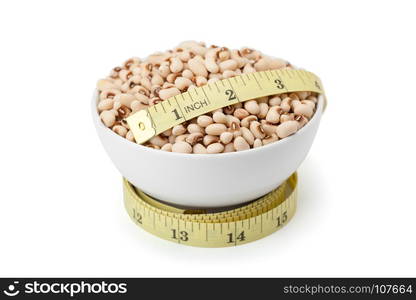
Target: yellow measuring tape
[(158, 118), (203, 228)]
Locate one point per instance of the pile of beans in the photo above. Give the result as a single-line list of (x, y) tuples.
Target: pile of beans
[(138, 84)]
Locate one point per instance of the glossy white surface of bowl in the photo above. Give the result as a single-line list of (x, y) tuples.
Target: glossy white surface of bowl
[(208, 180)]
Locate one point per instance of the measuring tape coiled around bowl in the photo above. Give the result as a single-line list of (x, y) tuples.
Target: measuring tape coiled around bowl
[(207, 228), (164, 115)]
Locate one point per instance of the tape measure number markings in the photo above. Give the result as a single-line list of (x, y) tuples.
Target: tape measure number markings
[(233, 227), (158, 118)]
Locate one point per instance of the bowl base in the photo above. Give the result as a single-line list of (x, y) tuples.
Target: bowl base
[(214, 227)]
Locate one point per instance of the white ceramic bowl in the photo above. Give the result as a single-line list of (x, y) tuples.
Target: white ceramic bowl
[(208, 180)]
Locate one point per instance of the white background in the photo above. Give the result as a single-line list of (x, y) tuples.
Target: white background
[(61, 211)]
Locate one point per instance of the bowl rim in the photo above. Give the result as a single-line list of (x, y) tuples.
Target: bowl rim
[(99, 123)]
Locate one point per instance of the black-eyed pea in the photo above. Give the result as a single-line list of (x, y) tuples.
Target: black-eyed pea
[(273, 115), (229, 148), (241, 113), (269, 129), (142, 98), (172, 77), (164, 70), (187, 74), (287, 128), (167, 85), (193, 128), (247, 135), (108, 117), (228, 74), (124, 99), (181, 138), (215, 129), (194, 138), (116, 105), (105, 84), (146, 83), (257, 143), (252, 107), (270, 139), (120, 130), (181, 147), (303, 109), (312, 98), (209, 139), (262, 100), (167, 147), (167, 133), (309, 102), (184, 56), (197, 67), (240, 144), (238, 105), (302, 120), (215, 148), (150, 145), (264, 108), (229, 110), (257, 130), (204, 121), (130, 136), (182, 83), (303, 95), (157, 79), (287, 117), (235, 55), (294, 103), (105, 104), (228, 64), (109, 94), (262, 64), (294, 96), (199, 149), (223, 54), (158, 141), (277, 63), (200, 81), (285, 104), (136, 70), (219, 117), (232, 121), (226, 137), (125, 74), (247, 120), (275, 100), (176, 65), (167, 93), (248, 68), (154, 101), (236, 132), (211, 65), (123, 111), (178, 130), (215, 75), (172, 139), (212, 80), (136, 106)]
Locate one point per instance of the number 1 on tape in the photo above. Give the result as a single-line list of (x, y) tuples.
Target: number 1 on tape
[(158, 118)]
